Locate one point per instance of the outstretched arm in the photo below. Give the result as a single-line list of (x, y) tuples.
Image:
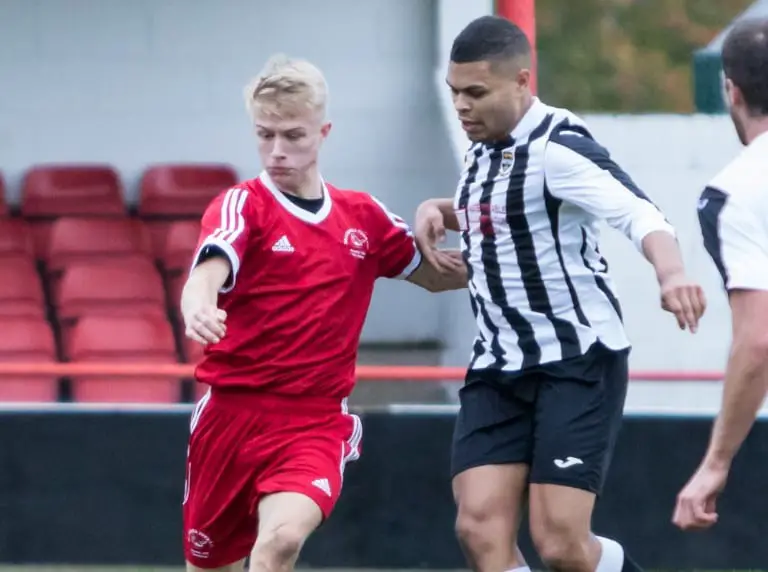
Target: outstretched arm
[(581, 172)]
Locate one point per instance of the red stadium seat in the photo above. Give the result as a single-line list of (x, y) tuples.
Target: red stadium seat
[(180, 243), (96, 240), (15, 239), (27, 340), (182, 190), (50, 191), (21, 292), (137, 339), (117, 288)]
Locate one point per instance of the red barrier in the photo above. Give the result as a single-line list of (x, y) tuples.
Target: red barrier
[(364, 372)]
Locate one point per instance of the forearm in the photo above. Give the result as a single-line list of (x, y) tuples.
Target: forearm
[(743, 394), (662, 250), (204, 283), (431, 279), (444, 282)]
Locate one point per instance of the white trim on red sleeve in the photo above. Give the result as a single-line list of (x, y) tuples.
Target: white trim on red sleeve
[(232, 225)]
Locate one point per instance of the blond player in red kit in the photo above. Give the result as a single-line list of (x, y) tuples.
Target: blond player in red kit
[(278, 292)]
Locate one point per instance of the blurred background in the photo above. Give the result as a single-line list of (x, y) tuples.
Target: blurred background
[(121, 119)]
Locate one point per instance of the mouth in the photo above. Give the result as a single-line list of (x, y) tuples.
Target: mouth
[(278, 171), (468, 126)]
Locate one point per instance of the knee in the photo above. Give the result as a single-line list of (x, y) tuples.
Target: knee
[(479, 531), (470, 528), (560, 547), (280, 545)]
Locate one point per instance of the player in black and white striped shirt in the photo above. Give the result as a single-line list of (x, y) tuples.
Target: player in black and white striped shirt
[(733, 213), (546, 384)]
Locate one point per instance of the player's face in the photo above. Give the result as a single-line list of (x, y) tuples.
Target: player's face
[(289, 144), (737, 110), (489, 98)]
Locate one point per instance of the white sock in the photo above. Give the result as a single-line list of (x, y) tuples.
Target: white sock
[(612, 558)]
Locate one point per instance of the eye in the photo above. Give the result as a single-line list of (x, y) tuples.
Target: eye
[(265, 135), (477, 93)]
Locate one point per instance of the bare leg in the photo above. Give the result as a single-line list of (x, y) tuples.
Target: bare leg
[(490, 500), (285, 522)]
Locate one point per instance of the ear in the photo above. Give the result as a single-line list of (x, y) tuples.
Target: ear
[(325, 129), (523, 78), (733, 94)]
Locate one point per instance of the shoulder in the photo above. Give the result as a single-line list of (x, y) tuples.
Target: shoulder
[(238, 196), (359, 202), (367, 210), (570, 132), (742, 180)]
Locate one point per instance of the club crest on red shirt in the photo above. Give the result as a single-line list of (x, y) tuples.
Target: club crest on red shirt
[(357, 241)]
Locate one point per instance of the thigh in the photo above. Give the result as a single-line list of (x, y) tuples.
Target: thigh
[(577, 423), (219, 528), (494, 427), (309, 457)]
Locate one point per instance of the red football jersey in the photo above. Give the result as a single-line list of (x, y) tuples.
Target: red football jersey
[(300, 286)]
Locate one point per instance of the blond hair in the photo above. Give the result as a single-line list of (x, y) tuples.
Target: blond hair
[(285, 85)]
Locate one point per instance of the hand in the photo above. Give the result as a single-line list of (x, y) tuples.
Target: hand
[(453, 263), (684, 299), (695, 509), (205, 324), (429, 230)]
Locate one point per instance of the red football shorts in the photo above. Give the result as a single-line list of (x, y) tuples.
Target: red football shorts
[(244, 446)]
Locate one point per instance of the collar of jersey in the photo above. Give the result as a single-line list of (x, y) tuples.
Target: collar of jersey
[(295, 210)]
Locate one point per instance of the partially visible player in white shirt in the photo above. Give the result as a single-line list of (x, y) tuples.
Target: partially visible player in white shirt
[(733, 213)]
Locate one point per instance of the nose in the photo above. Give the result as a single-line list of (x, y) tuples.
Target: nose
[(461, 104), (278, 149)]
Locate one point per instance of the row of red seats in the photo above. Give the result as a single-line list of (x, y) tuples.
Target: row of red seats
[(109, 282), (166, 191), (93, 339), (95, 266), (73, 239)]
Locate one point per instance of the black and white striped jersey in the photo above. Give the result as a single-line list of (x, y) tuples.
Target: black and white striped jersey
[(529, 210), (733, 215)]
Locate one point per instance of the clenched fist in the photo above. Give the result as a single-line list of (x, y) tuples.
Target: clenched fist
[(205, 323)]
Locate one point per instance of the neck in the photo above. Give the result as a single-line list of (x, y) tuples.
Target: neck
[(309, 188), (755, 128), (527, 103)]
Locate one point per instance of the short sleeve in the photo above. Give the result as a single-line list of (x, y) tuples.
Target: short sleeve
[(225, 231), (735, 239), (396, 251)]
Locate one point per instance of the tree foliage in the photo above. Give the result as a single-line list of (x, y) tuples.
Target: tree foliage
[(625, 55)]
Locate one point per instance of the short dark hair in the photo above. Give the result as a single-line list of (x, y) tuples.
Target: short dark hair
[(489, 38), (745, 62)]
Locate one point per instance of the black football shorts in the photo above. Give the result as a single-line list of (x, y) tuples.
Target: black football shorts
[(563, 425)]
